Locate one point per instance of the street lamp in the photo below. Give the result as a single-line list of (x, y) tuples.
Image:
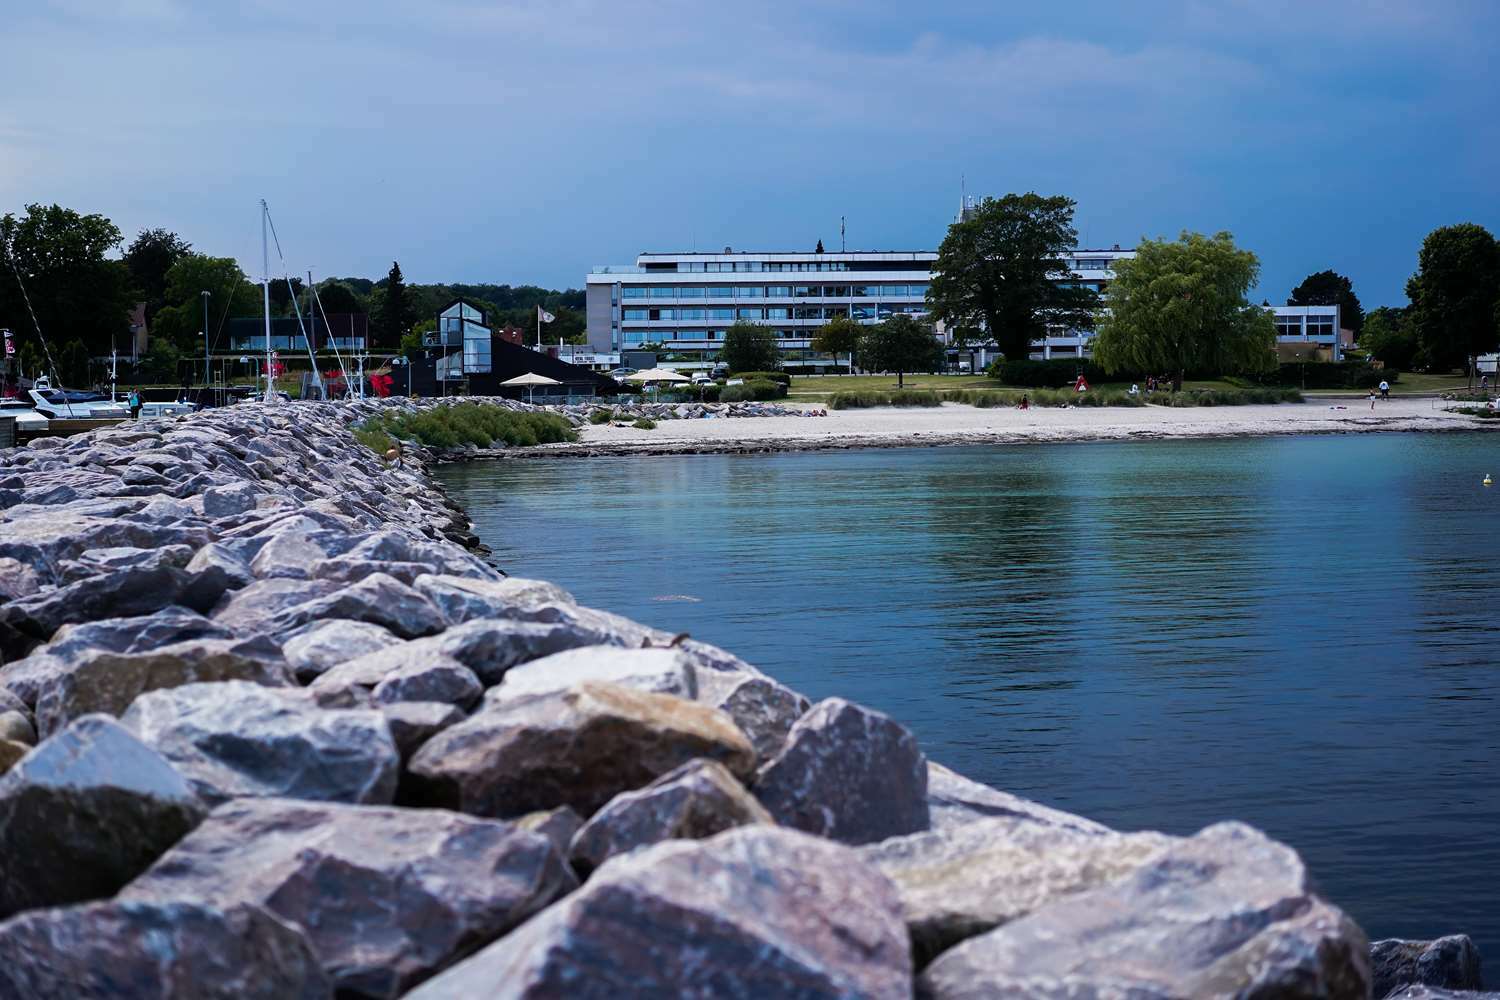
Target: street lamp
[(207, 378)]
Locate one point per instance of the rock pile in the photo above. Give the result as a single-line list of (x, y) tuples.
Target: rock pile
[(271, 726)]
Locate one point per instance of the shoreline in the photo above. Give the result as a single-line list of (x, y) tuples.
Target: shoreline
[(958, 425)]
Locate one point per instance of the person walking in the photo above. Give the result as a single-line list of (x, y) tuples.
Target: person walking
[(1372, 400), (135, 404), (1385, 389)]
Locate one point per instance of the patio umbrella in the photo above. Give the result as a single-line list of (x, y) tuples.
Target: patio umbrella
[(656, 375), (531, 380)]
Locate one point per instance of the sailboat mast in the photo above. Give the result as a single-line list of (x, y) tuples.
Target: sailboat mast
[(265, 264)]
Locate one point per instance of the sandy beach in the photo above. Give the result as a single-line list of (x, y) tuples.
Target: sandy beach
[(956, 424)]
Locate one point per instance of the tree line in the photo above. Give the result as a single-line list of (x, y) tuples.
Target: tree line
[(81, 282)]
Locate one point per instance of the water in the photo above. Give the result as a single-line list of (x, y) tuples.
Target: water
[(1297, 632)]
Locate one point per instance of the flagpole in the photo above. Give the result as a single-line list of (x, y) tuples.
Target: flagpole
[(539, 329)]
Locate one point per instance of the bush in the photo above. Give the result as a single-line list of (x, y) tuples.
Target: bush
[(1053, 374), (1226, 397), (1330, 375), (479, 424), (781, 377), (736, 394), (758, 390), (901, 397), (601, 417), (644, 424)]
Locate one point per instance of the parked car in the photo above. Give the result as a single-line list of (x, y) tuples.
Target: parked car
[(621, 374), (703, 380)]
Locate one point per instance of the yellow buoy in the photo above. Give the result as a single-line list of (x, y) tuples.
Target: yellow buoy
[(1487, 480)]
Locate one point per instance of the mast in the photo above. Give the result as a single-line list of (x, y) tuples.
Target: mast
[(265, 263), (312, 335)]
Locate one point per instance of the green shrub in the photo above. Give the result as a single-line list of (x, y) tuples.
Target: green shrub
[(479, 424), (374, 438), (1226, 397), (901, 397), (781, 377), (600, 417), (644, 424), (736, 394)]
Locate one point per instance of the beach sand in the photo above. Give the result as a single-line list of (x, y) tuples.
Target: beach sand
[(957, 424)]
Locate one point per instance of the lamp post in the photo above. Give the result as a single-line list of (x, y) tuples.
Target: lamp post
[(402, 360), (207, 378)]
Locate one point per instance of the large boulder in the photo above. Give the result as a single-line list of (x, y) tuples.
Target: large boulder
[(463, 598), (962, 881), (954, 800), (84, 813), (108, 682), (1438, 993), (158, 951), (415, 722), (755, 912), (378, 599), (578, 748), (557, 825), (450, 682), (236, 739), (848, 773), (1226, 913), (321, 646), (697, 800), (387, 896), (764, 709), (1450, 962), (664, 671), (11, 753)]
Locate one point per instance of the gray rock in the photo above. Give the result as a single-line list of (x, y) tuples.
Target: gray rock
[(235, 739), (262, 607), (17, 727), (158, 951), (222, 563), (108, 682), (378, 599), (694, 801), (449, 682), (415, 722), (321, 646), (1438, 993), (848, 773), (1226, 913), (664, 671), (96, 561), (11, 753), (463, 599), (579, 748), (84, 813), (293, 553), (387, 896), (1450, 962), (764, 709), (965, 880), (228, 500), (755, 912), (17, 579), (557, 825), (954, 800)]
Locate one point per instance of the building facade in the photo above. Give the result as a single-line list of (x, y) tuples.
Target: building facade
[(681, 304)]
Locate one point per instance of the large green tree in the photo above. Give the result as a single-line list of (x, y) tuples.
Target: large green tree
[(1004, 269), (394, 312), (1329, 288), (839, 335), (750, 347), (901, 344), (1180, 305), (179, 322), (337, 297), (1454, 294), (148, 259), (1391, 337), (76, 291)]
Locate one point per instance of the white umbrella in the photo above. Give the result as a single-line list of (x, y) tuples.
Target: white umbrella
[(530, 380), (656, 375)]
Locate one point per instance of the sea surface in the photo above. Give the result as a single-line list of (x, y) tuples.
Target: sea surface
[(1302, 633)]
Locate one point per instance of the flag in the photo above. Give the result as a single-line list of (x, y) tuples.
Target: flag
[(10, 344), (544, 315)]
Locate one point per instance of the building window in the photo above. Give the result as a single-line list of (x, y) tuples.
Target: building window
[(719, 291), (916, 291), (663, 292), (633, 313), (691, 313), (633, 292), (807, 291), (477, 352), (750, 313), (807, 312), (779, 291), (1093, 263), (778, 312), (690, 292), (721, 314), (750, 292)]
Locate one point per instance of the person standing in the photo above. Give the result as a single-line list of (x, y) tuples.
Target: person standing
[(135, 404), (1372, 400), (1385, 389)]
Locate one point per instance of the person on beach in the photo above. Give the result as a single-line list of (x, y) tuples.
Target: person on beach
[(1372, 400), (1135, 390), (135, 405), (1385, 389), (1025, 403)]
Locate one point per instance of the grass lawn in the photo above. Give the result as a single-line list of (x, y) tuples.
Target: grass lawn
[(817, 388)]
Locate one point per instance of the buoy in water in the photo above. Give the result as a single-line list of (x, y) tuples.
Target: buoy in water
[(1487, 480)]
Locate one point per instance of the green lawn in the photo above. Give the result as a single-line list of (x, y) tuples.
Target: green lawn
[(817, 388)]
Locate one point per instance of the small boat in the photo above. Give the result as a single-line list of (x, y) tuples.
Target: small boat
[(70, 404), (153, 411), (28, 420)]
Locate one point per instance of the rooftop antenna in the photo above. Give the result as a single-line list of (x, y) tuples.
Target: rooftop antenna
[(842, 247)]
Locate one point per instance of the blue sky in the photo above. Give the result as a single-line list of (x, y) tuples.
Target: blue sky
[(526, 142)]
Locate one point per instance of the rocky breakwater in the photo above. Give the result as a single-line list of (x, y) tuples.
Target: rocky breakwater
[(271, 726)]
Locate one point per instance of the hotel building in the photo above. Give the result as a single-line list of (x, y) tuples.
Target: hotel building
[(682, 303)]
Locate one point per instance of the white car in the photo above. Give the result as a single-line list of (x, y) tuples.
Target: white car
[(621, 374), (702, 380)]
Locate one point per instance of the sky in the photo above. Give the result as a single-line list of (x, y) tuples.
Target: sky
[(526, 142)]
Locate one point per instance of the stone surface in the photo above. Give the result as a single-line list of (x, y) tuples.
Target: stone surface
[(1226, 913), (378, 599), (463, 599), (1438, 993), (413, 723), (11, 753), (697, 800), (387, 896), (1450, 962), (108, 682), (755, 912), (962, 881), (157, 951), (954, 800), (450, 682), (240, 739), (84, 813), (557, 825), (17, 727), (322, 646), (578, 748), (848, 773), (764, 709), (664, 671)]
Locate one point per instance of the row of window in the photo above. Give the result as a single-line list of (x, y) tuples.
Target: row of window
[(882, 310), (775, 292), (720, 267), (1317, 326), (669, 336)]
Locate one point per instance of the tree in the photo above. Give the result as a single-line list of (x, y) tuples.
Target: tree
[(180, 320), (1182, 305), (337, 297), (900, 345), (1391, 337), (75, 291), (839, 335), (395, 315), (1454, 294), (1004, 269), (750, 347), (1329, 288), (148, 259)]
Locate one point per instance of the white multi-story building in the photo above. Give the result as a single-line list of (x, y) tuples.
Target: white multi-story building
[(682, 303)]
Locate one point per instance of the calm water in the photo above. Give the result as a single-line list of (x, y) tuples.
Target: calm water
[(1298, 632)]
